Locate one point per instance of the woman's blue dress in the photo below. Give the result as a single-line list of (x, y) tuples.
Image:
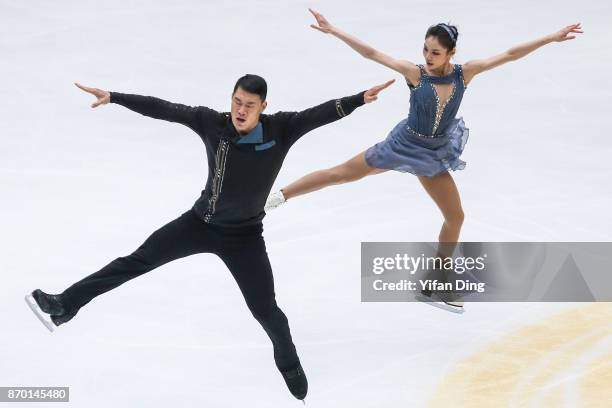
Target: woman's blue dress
[(430, 140)]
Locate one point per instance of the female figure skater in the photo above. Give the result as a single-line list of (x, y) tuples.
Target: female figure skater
[(430, 140)]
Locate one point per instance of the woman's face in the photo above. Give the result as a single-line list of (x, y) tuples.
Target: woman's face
[(436, 56)]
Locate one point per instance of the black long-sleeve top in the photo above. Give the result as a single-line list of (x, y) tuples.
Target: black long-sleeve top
[(240, 172)]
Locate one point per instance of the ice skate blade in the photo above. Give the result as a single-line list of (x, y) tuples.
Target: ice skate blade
[(42, 316), (439, 304)]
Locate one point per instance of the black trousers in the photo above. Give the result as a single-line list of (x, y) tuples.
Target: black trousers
[(242, 249)]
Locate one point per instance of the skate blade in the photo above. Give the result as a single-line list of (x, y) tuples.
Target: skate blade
[(42, 316), (439, 304)]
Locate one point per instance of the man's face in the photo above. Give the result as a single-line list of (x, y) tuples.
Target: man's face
[(246, 108)]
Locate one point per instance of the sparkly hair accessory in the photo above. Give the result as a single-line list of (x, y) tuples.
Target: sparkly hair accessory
[(449, 30)]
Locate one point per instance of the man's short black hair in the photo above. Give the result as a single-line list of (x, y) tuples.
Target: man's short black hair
[(253, 84)]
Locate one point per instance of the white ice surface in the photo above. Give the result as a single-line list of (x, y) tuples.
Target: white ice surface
[(81, 187)]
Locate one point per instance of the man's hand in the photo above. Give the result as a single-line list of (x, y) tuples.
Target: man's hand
[(372, 94), (103, 96)]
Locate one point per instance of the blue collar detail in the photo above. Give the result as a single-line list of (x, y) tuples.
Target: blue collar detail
[(254, 136)]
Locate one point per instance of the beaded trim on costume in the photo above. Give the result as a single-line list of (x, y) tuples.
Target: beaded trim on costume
[(417, 86), (419, 134), (462, 78), (440, 108), (410, 86), (339, 109)]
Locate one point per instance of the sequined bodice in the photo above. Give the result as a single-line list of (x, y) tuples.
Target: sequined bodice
[(428, 115)]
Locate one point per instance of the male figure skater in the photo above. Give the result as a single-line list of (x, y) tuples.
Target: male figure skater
[(245, 150)]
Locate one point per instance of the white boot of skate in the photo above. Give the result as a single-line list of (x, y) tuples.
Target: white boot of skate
[(442, 302), (275, 200)]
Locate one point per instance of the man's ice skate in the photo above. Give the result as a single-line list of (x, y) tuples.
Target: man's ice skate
[(296, 381), (63, 318), (275, 200), (445, 301), (49, 309)]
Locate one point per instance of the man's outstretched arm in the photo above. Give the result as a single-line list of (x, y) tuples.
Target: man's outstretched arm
[(150, 106), (300, 123)]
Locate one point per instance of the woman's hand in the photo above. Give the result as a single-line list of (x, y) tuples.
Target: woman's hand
[(322, 23), (564, 34)]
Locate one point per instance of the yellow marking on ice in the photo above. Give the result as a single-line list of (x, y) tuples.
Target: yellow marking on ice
[(552, 399), (595, 388), (533, 365)]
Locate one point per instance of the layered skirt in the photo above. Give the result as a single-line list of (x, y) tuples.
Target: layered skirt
[(407, 151)]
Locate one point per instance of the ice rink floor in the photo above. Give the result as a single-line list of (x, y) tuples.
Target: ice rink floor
[(81, 187)]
